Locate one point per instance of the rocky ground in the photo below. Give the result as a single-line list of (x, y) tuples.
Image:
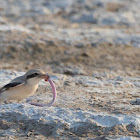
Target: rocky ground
[(91, 48)]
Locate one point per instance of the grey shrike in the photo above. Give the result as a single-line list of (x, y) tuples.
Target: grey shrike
[(23, 86)]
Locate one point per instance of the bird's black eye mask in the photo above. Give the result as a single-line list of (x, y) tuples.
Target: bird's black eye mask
[(33, 75)]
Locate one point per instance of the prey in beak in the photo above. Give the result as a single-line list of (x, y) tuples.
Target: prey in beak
[(45, 77)]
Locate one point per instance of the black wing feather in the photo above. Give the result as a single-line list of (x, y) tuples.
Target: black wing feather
[(10, 85)]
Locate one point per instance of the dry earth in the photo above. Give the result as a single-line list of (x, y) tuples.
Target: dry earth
[(91, 49)]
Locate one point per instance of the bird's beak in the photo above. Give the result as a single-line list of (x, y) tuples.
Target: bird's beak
[(45, 76)]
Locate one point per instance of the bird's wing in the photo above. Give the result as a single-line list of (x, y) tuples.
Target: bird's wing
[(14, 83)]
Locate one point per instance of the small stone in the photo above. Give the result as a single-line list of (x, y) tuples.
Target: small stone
[(136, 102), (84, 18), (119, 78), (80, 45), (73, 71)]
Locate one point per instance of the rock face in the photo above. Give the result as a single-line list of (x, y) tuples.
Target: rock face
[(100, 108), (25, 120)]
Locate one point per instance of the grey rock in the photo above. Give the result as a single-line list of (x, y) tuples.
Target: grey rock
[(137, 83), (85, 18), (88, 83), (27, 121), (79, 45), (108, 21), (73, 71), (121, 138), (119, 78), (136, 102), (55, 121)]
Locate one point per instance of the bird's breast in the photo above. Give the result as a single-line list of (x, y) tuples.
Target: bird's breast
[(29, 90), (19, 93)]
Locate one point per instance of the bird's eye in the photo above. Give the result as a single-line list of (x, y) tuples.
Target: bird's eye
[(36, 74)]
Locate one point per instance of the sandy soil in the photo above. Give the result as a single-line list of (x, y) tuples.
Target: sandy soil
[(98, 58)]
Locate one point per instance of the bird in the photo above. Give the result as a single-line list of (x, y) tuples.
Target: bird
[(22, 86)]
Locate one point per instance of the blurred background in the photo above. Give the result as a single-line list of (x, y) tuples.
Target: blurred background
[(71, 36)]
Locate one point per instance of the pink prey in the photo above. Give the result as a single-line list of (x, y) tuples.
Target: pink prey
[(54, 94)]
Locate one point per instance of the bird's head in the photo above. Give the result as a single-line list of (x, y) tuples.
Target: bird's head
[(34, 76)]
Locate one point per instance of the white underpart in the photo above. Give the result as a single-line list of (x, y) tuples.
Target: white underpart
[(18, 93)]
